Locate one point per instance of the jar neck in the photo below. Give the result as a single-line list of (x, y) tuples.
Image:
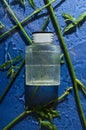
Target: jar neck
[(42, 37)]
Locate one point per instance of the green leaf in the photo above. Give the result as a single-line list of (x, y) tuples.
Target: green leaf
[(11, 71), (68, 17), (41, 112), (9, 62), (50, 117), (69, 28), (16, 59), (65, 94), (46, 113), (54, 113), (1, 25), (32, 3), (80, 84), (61, 58), (5, 65), (45, 24), (48, 124), (21, 2), (62, 62), (75, 22), (81, 18)]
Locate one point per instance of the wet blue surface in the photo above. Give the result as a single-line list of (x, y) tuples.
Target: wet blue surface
[(14, 102)]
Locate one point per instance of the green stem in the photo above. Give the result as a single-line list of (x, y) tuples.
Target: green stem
[(69, 63), (45, 24), (1, 26), (23, 21), (17, 119), (64, 94), (11, 81), (10, 58), (82, 87), (34, 93), (59, 99), (17, 21)]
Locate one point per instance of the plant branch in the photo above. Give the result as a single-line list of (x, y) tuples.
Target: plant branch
[(17, 119), (82, 87), (61, 98), (17, 21), (26, 112), (69, 63), (45, 24), (11, 81), (23, 21)]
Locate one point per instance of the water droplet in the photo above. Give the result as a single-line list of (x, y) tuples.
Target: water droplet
[(23, 76), (34, 122), (21, 98), (14, 45)]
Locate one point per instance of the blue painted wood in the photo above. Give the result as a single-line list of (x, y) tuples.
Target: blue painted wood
[(14, 102)]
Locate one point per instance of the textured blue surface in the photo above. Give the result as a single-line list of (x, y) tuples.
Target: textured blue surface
[(14, 102)]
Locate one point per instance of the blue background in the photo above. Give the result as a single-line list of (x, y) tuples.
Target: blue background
[(14, 102)]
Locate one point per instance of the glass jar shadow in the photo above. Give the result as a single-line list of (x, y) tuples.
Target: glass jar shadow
[(44, 95)]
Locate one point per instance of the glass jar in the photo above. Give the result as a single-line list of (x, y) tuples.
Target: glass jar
[(42, 61)]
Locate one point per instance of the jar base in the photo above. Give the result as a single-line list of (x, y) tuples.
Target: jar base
[(43, 83)]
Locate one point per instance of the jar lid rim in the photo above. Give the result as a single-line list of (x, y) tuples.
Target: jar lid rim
[(41, 32)]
